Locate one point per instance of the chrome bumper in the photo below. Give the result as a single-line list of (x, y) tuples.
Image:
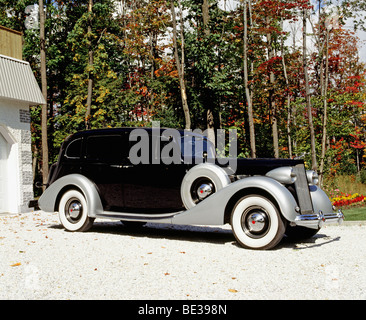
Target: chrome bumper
[(316, 221)]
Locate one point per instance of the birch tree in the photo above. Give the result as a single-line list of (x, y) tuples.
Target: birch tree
[(180, 64), (44, 92)]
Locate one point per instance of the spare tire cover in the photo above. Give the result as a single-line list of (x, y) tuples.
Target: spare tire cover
[(214, 173)]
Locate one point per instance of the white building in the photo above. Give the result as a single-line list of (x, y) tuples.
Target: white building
[(18, 91)]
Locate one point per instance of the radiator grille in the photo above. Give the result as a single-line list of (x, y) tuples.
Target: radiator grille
[(302, 190)]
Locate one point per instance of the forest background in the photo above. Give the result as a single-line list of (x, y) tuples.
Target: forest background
[(194, 64)]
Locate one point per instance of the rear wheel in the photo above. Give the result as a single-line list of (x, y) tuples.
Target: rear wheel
[(256, 223), (73, 212)]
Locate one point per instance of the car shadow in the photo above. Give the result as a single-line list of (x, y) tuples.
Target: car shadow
[(317, 240), (209, 234)]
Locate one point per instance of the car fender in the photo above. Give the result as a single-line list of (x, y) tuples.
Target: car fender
[(49, 200), (320, 200), (212, 210)]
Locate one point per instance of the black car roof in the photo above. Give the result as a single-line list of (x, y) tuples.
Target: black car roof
[(107, 131)]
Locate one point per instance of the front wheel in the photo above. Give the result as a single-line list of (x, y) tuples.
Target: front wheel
[(73, 212), (256, 223)]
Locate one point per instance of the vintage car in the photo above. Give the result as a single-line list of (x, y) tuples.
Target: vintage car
[(262, 200)]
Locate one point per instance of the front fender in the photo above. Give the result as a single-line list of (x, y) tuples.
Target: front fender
[(48, 201), (283, 197), (320, 200), (212, 210)]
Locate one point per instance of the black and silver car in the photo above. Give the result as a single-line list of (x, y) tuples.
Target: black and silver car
[(262, 199)]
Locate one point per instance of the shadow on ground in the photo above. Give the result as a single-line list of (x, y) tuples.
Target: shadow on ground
[(208, 234)]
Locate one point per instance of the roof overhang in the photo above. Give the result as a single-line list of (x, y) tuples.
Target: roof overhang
[(17, 82)]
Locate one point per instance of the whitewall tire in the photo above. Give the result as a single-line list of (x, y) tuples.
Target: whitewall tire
[(200, 182), (256, 223), (73, 212)]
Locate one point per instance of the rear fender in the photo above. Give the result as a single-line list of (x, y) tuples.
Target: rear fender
[(49, 200)]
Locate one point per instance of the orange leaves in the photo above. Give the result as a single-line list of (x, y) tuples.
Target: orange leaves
[(16, 264)]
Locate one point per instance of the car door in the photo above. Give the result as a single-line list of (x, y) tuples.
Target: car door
[(153, 188), (105, 156)]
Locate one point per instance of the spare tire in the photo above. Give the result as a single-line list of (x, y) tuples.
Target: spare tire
[(200, 182)]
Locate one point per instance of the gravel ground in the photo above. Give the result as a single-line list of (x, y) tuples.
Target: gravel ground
[(40, 260)]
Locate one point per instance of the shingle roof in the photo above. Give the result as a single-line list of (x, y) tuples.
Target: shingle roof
[(18, 82)]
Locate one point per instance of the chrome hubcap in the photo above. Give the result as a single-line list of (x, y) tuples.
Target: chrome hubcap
[(201, 188), (204, 190), (255, 222), (73, 210)]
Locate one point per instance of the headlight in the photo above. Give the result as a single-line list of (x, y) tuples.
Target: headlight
[(285, 175), (312, 177)]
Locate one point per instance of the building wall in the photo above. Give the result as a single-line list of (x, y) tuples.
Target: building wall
[(15, 122), (11, 43)]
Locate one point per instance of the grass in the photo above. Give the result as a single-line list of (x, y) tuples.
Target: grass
[(355, 214), (349, 185)]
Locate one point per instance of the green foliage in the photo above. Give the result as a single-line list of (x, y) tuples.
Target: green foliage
[(363, 175)]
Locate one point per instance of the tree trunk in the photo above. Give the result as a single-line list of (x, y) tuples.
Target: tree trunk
[(90, 63), (206, 17), (307, 95), (325, 111), (180, 66), (209, 114), (288, 124), (44, 92), (271, 102), (247, 91)]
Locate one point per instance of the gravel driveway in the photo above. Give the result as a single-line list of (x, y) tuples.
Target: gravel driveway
[(40, 260)]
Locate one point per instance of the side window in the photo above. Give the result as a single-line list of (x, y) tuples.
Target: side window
[(73, 150), (108, 149)]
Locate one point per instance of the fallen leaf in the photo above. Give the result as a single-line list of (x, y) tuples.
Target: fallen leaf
[(233, 290), (16, 264)]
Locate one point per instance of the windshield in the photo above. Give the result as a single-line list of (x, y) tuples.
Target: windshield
[(195, 146)]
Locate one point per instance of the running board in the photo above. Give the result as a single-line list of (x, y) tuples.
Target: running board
[(164, 217)]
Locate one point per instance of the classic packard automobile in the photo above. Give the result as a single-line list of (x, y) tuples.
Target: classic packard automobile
[(263, 199)]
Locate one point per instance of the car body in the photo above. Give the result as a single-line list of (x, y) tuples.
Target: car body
[(95, 177)]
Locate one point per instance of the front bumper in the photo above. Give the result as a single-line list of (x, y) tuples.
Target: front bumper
[(316, 221)]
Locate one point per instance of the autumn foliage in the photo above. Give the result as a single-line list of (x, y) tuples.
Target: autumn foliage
[(135, 77)]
